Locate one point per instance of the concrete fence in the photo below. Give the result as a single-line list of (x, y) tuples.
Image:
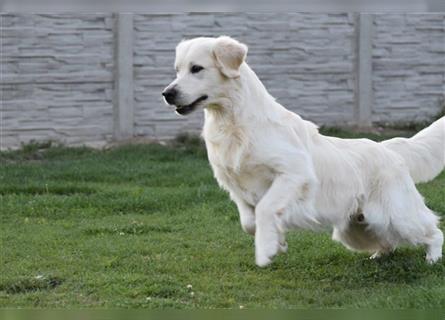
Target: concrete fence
[(94, 78)]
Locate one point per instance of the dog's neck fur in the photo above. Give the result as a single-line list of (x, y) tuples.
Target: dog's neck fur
[(233, 112), (232, 115)]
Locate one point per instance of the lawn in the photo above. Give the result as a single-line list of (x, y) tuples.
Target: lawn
[(146, 226)]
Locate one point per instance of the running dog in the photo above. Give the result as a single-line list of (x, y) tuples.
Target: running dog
[(283, 174)]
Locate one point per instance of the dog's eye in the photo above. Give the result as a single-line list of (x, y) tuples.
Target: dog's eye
[(195, 68)]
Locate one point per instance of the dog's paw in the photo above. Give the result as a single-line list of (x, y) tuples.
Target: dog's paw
[(376, 255), (283, 247), (262, 261), (266, 248), (432, 259), (264, 256)]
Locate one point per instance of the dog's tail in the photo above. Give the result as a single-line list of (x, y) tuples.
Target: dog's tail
[(424, 153)]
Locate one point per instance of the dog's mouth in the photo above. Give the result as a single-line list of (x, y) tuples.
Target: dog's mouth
[(183, 110)]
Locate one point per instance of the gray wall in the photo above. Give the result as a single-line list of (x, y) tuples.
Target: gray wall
[(408, 60), (59, 72), (305, 60), (56, 78)]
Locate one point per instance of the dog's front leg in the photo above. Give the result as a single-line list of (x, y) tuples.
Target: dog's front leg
[(269, 236), (246, 214)]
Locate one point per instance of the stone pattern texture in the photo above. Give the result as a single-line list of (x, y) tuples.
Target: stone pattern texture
[(408, 67), (305, 60), (57, 71), (56, 78)]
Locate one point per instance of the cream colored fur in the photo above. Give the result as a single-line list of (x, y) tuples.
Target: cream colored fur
[(283, 174), (424, 153)]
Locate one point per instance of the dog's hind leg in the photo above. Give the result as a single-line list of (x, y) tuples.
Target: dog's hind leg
[(434, 246), (406, 218)]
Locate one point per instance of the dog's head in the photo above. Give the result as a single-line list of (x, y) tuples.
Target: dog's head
[(205, 67)]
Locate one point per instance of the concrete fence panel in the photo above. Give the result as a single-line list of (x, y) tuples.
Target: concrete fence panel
[(95, 78)]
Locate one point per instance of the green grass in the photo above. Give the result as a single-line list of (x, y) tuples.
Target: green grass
[(134, 226)]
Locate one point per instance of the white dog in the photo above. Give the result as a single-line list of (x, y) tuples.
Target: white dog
[(282, 173)]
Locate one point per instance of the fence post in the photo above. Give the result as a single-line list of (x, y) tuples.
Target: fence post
[(123, 113), (364, 70)]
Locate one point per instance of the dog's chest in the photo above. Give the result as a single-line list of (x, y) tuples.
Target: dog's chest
[(235, 161), (237, 170)]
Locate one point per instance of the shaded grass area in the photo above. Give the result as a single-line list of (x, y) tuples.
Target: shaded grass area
[(146, 226)]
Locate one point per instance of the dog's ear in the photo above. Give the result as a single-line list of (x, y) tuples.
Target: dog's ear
[(229, 55)]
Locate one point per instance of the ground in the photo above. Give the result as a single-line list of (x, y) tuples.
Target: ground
[(146, 226)]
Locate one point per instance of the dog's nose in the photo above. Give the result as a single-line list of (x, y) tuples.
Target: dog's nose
[(170, 95)]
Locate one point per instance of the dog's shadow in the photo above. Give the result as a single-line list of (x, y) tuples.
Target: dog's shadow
[(405, 266), (354, 271)]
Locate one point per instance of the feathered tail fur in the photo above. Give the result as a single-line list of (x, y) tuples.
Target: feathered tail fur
[(424, 153)]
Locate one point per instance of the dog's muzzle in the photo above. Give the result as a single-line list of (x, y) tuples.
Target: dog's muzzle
[(184, 110)]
